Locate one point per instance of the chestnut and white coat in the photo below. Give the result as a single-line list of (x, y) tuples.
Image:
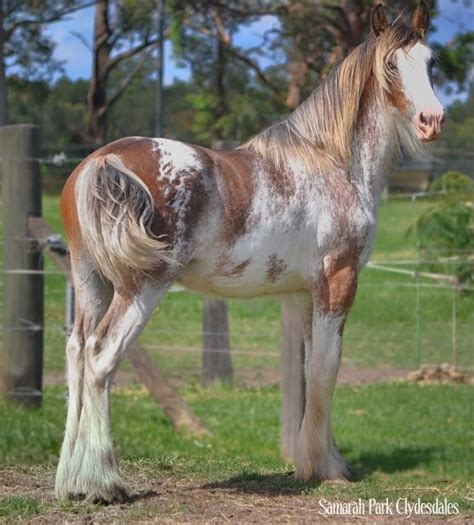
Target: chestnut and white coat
[(291, 212)]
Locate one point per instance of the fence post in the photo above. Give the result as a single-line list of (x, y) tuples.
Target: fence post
[(454, 312), (70, 308), (216, 358), (293, 384), (23, 265)]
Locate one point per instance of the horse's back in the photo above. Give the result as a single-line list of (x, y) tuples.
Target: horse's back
[(190, 185)]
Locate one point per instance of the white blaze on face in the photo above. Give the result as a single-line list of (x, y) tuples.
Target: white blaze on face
[(426, 110)]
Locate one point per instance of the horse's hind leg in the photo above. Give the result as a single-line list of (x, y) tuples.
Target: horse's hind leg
[(93, 472), (93, 297)]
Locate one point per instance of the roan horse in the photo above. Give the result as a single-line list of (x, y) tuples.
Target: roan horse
[(293, 211)]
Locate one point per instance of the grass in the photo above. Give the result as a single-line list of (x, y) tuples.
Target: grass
[(18, 508), (402, 439), (381, 330), (427, 428)]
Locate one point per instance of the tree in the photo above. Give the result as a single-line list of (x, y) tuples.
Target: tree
[(445, 231), (456, 59), (458, 131), (23, 45), (316, 35), (202, 34), (123, 38)]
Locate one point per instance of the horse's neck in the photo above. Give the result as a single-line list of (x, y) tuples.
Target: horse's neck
[(374, 153)]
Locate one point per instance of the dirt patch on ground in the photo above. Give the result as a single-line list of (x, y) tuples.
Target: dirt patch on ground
[(171, 500), (257, 377)]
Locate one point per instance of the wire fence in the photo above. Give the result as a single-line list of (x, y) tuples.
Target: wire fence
[(401, 317), (399, 322)]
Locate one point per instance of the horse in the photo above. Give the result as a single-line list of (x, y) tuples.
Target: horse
[(290, 213)]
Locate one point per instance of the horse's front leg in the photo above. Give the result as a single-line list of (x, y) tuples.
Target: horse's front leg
[(318, 457)]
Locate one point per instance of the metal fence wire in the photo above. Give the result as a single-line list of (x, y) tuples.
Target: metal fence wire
[(402, 316)]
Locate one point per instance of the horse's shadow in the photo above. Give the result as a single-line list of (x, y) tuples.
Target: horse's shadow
[(398, 460)]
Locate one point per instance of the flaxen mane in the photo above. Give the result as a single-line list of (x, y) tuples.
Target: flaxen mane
[(320, 130)]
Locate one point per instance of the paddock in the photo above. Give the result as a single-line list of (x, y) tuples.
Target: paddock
[(410, 446)]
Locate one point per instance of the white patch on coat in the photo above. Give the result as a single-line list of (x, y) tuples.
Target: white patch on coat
[(412, 65), (130, 324), (178, 163), (180, 155)]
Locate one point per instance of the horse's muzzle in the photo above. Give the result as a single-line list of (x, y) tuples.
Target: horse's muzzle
[(428, 124)]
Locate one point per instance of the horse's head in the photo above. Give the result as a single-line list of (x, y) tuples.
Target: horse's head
[(403, 67)]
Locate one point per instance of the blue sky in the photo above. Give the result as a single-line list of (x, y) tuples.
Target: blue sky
[(455, 16)]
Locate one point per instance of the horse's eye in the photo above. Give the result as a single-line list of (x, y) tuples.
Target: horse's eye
[(392, 66)]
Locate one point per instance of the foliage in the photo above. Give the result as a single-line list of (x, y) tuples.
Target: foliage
[(202, 35), (250, 109), (453, 182), (27, 48), (455, 59), (458, 131), (445, 231), (27, 99)]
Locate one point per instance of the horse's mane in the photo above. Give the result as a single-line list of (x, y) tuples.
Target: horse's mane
[(320, 130)]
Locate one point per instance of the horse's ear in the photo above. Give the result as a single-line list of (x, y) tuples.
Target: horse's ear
[(379, 20), (421, 18)]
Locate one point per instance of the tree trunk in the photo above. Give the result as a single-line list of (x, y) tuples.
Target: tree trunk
[(222, 108), (3, 78), (97, 95), (350, 31), (160, 56), (298, 71), (358, 18)]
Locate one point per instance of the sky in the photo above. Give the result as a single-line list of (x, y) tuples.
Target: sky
[(455, 16)]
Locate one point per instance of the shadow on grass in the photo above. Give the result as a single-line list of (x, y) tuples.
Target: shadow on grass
[(396, 460), (141, 495), (399, 459), (266, 484)]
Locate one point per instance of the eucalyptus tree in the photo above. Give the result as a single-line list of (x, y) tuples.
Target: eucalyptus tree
[(24, 46)]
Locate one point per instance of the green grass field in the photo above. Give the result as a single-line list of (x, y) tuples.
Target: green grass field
[(381, 330), (419, 445), (404, 440)]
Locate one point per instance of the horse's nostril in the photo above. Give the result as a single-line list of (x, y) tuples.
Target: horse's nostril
[(422, 118)]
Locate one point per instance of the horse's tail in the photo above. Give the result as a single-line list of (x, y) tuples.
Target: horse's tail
[(116, 212)]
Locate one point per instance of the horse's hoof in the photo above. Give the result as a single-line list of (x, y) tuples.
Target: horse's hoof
[(109, 495)]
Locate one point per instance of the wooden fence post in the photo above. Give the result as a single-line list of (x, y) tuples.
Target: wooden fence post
[(216, 357), (292, 381), (180, 415), (22, 263)]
